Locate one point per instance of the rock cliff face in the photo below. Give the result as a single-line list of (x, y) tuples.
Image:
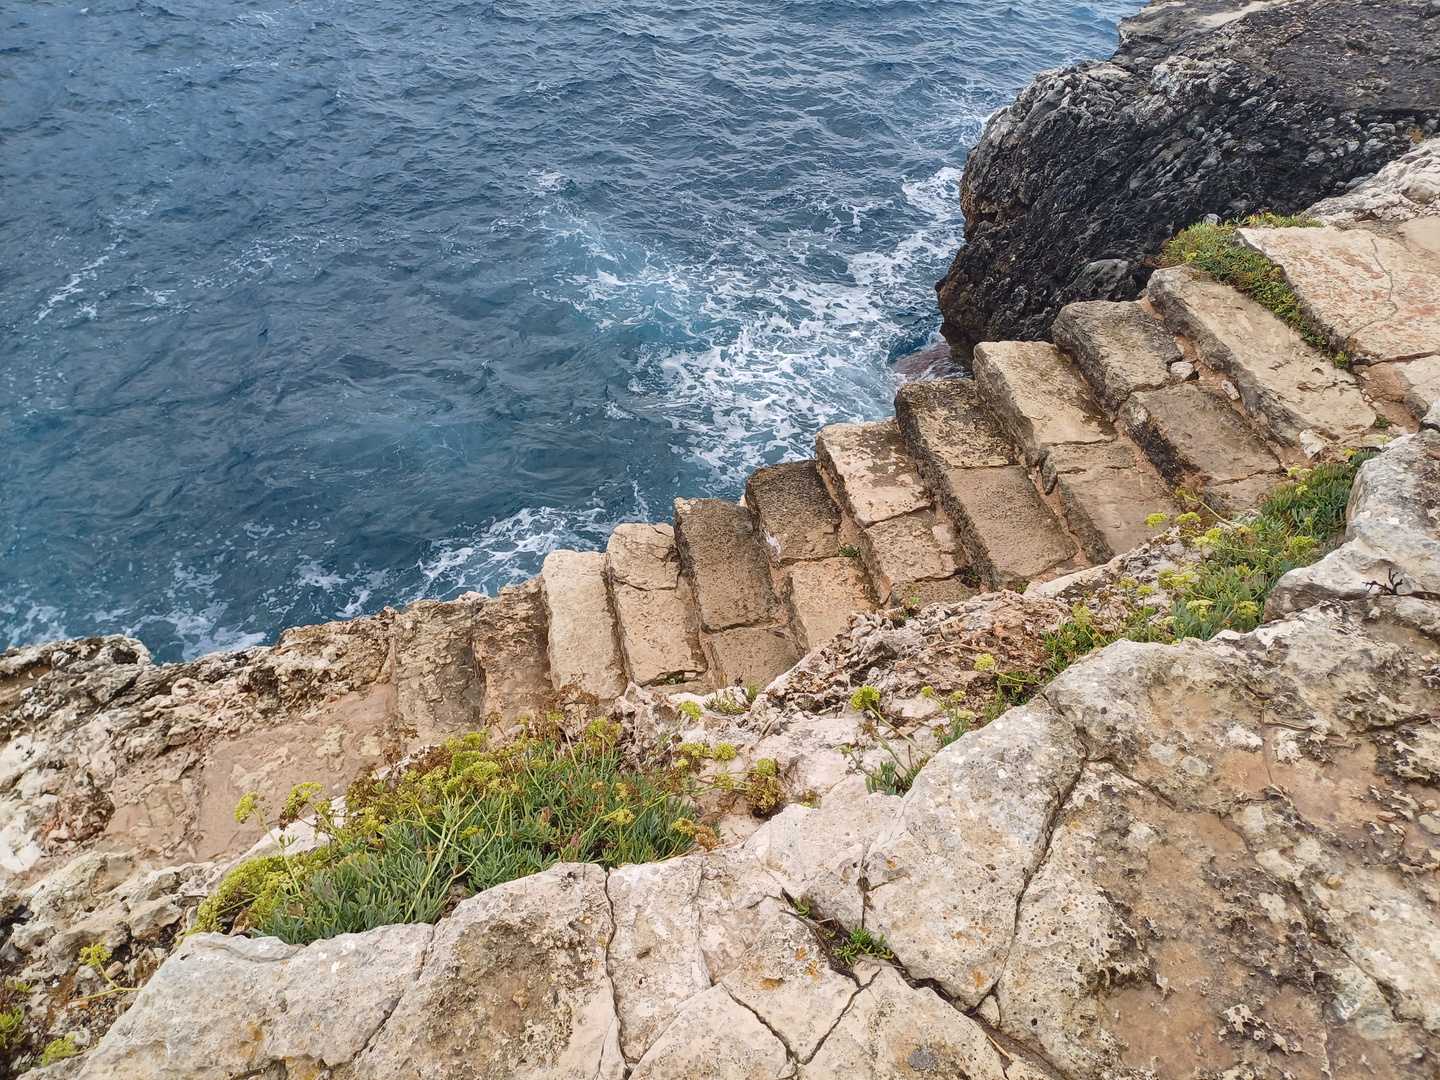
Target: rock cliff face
[(1208, 106), (1196, 860)]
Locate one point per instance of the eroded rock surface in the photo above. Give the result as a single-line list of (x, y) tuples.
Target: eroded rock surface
[(1208, 107)]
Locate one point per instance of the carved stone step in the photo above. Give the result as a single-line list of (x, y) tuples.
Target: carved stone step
[(820, 597), (1193, 436), (658, 626), (758, 654), (798, 518), (902, 540), (438, 691), (1373, 297), (722, 552), (1292, 393), (1107, 493), (1039, 397), (583, 638), (870, 470), (511, 647), (1004, 523), (1119, 348)]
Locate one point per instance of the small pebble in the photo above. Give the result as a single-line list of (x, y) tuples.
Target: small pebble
[(1230, 391), (1182, 369)]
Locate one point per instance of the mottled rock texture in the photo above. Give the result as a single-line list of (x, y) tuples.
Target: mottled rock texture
[(1207, 107)]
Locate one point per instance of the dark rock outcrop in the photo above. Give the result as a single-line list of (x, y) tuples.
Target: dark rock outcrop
[(1208, 106)]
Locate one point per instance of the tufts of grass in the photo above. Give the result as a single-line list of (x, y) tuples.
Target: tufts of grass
[(465, 817), (1238, 564), (1215, 250)]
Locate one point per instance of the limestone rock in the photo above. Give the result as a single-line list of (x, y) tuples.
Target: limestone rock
[(438, 690), (722, 551), (1207, 107), (820, 597), (796, 512), (1119, 347), (1039, 396), (1107, 495), (910, 548), (871, 470), (234, 1006), (895, 1030), (715, 1037), (510, 640), (514, 985), (1374, 298), (1005, 525), (659, 631), (946, 427), (584, 649), (655, 960), (1405, 190), (1391, 539), (945, 873), (1288, 387), (785, 978), (819, 855), (759, 654)]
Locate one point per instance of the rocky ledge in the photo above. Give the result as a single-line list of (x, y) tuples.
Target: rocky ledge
[(1211, 859), (1208, 107)]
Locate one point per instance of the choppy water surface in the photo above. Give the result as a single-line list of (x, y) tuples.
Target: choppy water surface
[(314, 306)]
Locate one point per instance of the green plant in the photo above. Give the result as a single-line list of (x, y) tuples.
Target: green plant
[(726, 705), (97, 956), (752, 691), (465, 817), (1240, 563), (849, 551), (58, 1050), (12, 1019), (861, 942), (1215, 250)]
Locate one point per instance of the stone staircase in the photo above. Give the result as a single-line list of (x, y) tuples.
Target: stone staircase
[(1049, 460)]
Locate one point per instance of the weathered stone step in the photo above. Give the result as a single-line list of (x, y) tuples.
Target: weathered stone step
[(1039, 397), (905, 544), (1292, 393), (1195, 438), (1374, 298), (723, 553), (1107, 492), (511, 637), (1048, 408), (802, 528), (658, 626), (798, 518), (584, 646), (1006, 527), (1119, 348)]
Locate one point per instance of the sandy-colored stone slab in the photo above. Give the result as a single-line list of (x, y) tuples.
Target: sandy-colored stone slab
[(1107, 494), (1006, 527), (1419, 383), (654, 959), (438, 689), (1372, 296), (797, 515), (1118, 347), (514, 985), (659, 630), (786, 979), (1039, 396), (1192, 435), (1289, 389), (871, 470), (723, 554), (896, 1030), (946, 427), (759, 654), (822, 595), (717, 1038), (511, 643), (919, 546), (584, 648)]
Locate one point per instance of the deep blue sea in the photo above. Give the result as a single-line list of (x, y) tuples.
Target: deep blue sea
[(313, 306)]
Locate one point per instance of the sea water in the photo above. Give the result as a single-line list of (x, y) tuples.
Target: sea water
[(315, 306)]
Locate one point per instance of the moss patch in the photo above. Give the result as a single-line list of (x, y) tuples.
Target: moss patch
[(1215, 250)]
